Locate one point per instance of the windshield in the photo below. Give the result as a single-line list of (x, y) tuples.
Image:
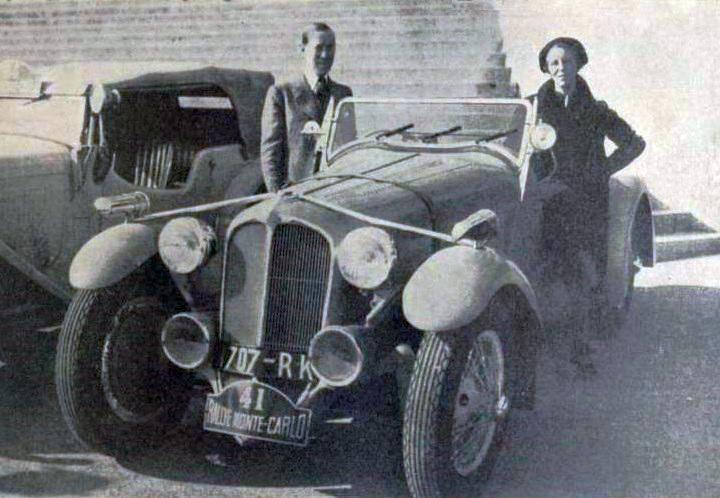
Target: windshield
[(57, 118), (432, 123)]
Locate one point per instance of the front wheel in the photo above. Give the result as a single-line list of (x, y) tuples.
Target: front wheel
[(116, 390), (456, 412)]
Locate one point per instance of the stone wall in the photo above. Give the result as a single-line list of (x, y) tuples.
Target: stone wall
[(396, 47)]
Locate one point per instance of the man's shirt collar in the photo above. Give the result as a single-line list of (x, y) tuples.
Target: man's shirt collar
[(312, 80)]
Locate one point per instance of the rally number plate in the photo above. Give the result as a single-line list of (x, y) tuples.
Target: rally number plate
[(252, 409), (268, 364)]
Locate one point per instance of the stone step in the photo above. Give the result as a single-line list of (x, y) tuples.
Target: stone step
[(414, 89), (686, 245), (210, 21), (260, 10), (413, 45), (668, 222), (278, 62), (403, 48)]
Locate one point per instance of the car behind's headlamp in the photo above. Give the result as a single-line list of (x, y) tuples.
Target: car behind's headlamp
[(185, 244), (366, 257)]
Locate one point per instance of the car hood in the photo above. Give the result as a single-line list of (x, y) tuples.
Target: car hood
[(16, 152), (425, 190)]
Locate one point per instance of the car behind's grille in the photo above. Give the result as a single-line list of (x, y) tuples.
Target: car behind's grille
[(298, 276)]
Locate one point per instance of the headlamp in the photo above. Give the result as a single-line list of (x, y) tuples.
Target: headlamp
[(185, 244), (97, 97), (543, 136), (366, 257)]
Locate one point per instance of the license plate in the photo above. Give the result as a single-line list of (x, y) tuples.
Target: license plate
[(268, 364), (252, 409)]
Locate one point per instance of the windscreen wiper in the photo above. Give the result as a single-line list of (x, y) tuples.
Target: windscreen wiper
[(442, 133), (394, 131), (495, 136)]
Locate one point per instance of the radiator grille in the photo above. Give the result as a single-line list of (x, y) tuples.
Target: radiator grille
[(298, 277)]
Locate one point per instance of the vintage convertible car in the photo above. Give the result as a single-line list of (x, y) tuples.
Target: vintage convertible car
[(386, 274), (174, 139)]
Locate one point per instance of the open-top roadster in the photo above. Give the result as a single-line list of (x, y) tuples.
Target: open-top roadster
[(173, 139), (287, 311)]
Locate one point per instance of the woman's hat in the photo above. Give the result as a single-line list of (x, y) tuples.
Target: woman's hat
[(576, 46)]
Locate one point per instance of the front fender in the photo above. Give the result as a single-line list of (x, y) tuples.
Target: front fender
[(112, 255), (454, 286)]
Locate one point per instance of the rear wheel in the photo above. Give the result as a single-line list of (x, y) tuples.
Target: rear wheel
[(456, 411), (633, 266), (117, 391)]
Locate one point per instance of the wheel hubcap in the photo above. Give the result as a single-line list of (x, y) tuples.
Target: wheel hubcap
[(479, 404)]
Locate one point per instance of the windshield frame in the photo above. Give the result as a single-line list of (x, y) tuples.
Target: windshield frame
[(332, 155)]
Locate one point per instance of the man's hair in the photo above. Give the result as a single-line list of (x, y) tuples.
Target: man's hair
[(312, 28)]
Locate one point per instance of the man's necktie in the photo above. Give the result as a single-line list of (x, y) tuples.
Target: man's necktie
[(322, 90)]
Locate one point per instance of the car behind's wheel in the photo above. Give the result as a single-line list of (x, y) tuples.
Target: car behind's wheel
[(456, 411), (117, 392)]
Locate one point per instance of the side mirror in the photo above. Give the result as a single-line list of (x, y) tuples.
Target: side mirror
[(481, 226), (543, 136)]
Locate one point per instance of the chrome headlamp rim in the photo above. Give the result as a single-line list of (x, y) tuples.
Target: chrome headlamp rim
[(197, 323), (359, 356), (543, 136), (366, 239), (192, 238)]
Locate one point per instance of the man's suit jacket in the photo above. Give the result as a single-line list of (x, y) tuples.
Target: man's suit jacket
[(286, 154)]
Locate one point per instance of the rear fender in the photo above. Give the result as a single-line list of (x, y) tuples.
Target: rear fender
[(112, 255), (630, 221)]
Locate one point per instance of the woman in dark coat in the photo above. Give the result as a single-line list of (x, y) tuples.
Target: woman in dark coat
[(573, 187)]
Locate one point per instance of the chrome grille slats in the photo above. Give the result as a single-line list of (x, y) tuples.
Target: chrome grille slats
[(298, 278), (156, 164)]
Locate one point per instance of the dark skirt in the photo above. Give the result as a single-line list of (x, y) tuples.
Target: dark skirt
[(560, 243)]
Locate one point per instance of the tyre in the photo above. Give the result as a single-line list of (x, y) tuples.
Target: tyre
[(117, 392), (456, 411), (618, 315)]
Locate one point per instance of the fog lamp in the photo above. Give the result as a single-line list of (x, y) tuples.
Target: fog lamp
[(187, 339), (366, 257), (185, 244), (335, 356)]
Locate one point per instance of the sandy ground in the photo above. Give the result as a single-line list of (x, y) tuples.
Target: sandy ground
[(646, 425)]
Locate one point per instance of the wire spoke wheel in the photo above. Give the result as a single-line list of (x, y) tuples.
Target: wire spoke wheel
[(478, 404), (456, 409)]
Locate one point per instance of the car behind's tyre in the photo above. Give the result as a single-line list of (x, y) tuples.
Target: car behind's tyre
[(117, 392), (618, 315), (456, 412)]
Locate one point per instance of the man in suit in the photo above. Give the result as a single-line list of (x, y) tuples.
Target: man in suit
[(286, 154)]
